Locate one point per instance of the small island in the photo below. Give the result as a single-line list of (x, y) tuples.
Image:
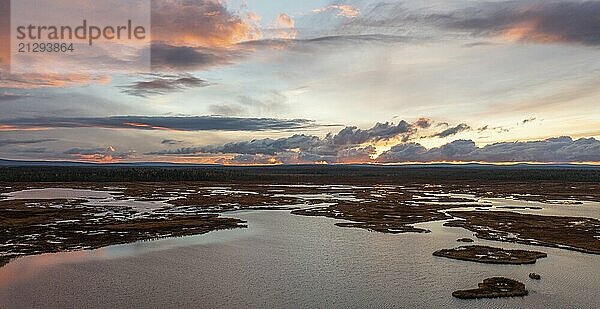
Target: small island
[(492, 255), (493, 288), (535, 276), (572, 233)]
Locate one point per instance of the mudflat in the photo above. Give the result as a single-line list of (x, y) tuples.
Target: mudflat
[(572, 233), (197, 200), (493, 288), (492, 255)]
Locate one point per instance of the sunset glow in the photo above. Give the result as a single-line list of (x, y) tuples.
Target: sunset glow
[(253, 83)]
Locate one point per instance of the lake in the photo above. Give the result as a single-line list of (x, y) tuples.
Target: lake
[(288, 261)]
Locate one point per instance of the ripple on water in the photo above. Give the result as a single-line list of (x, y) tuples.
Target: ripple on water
[(283, 260)]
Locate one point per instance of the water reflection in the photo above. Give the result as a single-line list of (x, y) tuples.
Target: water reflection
[(283, 260)]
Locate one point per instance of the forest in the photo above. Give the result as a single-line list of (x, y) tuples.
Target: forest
[(348, 174)]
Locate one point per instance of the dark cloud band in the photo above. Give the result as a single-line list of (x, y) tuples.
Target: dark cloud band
[(553, 150), (453, 130), (343, 144), (198, 123), (162, 84), (6, 142), (542, 22)]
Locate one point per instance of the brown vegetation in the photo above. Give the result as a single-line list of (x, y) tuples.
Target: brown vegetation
[(491, 255), (493, 288), (33, 227), (573, 233)]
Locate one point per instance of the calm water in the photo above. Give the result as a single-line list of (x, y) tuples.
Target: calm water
[(57, 193), (93, 197), (283, 260)]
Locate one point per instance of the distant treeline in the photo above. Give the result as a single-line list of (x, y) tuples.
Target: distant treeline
[(299, 174)]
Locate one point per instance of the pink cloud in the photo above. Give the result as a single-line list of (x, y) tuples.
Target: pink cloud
[(343, 10)]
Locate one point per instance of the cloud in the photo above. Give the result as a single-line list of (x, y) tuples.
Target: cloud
[(252, 160), (346, 156), (453, 130), (532, 119), (200, 23), (170, 142), (39, 150), (284, 26), (5, 13), (497, 129), (269, 146), (265, 146), (47, 80), (65, 103), (274, 102), (6, 96), (344, 10), (179, 151), (334, 40), (227, 109), (355, 145), (163, 84), (391, 18), (180, 58), (102, 155), (423, 123), (552, 150), (169, 123), (192, 35), (188, 58), (355, 155), (166, 57), (524, 21), (349, 144), (406, 152), (540, 22), (381, 131), (284, 20), (87, 151), (187, 35), (6, 142)]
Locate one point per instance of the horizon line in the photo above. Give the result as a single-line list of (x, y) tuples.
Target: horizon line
[(450, 163)]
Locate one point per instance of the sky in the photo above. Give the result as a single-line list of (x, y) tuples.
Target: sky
[(289, 82)]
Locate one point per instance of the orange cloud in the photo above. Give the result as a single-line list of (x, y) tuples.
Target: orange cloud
[(4, 127), (201, 23), (285, 26), (99, 155), (43, 80), (147, 126), (98, 158), (529, 31), (540, 22), (4, 34), (343, 10), (284, 21)]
